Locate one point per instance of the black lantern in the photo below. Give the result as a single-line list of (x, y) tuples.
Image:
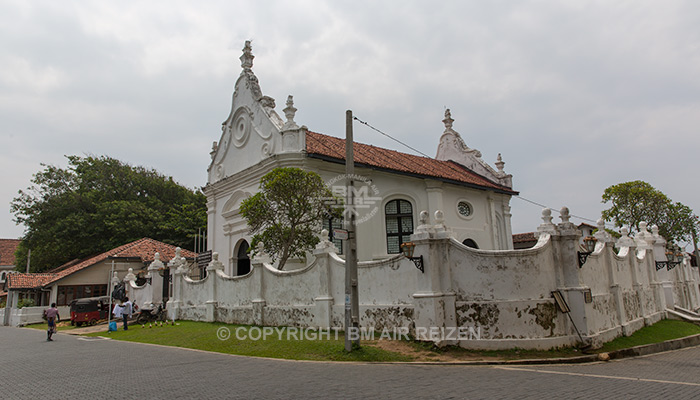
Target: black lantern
[(673, 258), (407, 250), (587, 247)]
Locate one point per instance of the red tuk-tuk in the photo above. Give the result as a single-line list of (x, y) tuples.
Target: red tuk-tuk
[(89, 310)]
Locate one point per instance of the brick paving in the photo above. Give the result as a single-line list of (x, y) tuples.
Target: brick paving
[(77, 367)]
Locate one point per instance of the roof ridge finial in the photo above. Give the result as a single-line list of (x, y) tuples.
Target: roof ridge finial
[(448, 119), (500, 164), (247, 56), (289, 112)]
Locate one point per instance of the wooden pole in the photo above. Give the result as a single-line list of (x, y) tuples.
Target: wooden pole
[(352, 304)]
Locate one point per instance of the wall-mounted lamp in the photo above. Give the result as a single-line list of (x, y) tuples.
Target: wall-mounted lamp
[(407, 249), (587, 247), (673, 258)]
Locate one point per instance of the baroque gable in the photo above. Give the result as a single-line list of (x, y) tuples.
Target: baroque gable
[(253, 130), (453, 148)]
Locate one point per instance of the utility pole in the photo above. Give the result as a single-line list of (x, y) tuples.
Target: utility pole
[(29, 258), (352, 304)]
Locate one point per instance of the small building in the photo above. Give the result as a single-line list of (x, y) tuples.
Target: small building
[(78, 279)]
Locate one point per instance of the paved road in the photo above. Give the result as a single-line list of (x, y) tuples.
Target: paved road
[(80, 368)]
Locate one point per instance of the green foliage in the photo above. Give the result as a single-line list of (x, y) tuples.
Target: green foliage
[(26, 303), (637, 201), (98, 203), (286, 214)]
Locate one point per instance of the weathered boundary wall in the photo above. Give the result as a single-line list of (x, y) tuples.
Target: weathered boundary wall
[(505, 297)]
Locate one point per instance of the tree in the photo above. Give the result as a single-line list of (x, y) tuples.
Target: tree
[(287, 212), (636, 201), (98, 203)]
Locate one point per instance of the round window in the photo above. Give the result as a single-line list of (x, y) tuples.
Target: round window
[(464, 208)]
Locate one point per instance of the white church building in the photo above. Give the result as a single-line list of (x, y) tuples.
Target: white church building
[(474, 197)]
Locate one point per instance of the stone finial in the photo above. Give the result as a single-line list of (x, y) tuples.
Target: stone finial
[(643, 227), (546, 226), (625, 231), (655, 230), (424, 217), (565, 216), (156, 264), (324, 244), (290, 111), (130, 276), (247, 56), (500, 164), (602, 235), (547, 216), (439, 217), (115, 279), (448, 119), (625, 240), (215, 264), (441, 230), (424, 230)]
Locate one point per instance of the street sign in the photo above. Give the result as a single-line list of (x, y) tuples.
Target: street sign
[(341, 234), (203, 259)]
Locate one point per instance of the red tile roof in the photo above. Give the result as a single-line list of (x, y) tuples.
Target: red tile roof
[(7, 251), (333, 149), (28, 281), (143, 249), (524, 237)]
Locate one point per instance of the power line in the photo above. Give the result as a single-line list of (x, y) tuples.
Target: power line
[(390, 137), (425, 155)]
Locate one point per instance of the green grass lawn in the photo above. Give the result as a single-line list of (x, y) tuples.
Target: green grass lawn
[(212, 337), (206, 336), (661, 331)]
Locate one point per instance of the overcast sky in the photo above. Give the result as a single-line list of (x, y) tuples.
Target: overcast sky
[(576, 96)]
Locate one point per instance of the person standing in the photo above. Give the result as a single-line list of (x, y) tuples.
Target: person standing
[(52, 317), (127, 309)]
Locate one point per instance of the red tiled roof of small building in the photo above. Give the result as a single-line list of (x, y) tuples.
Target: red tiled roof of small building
[(143, 249), (524, 237), (28, 281), (7, 251), (333, 148)]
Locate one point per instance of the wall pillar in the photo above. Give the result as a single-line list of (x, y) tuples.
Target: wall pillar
[(156, 284), (324, 301), (434, 301), (177, 270), (212, 277), (566, 246)]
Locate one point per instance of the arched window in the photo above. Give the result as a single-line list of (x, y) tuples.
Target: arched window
[(470, 243), (2, 277), (399, 224), (242, 259)]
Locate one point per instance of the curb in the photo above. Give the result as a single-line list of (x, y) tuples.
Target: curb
[(637, 351)]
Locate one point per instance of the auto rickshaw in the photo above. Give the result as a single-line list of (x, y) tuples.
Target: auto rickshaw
[(89, 310)]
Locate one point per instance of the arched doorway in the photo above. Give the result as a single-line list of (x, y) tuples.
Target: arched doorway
[(470, 243), (242, 259)]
